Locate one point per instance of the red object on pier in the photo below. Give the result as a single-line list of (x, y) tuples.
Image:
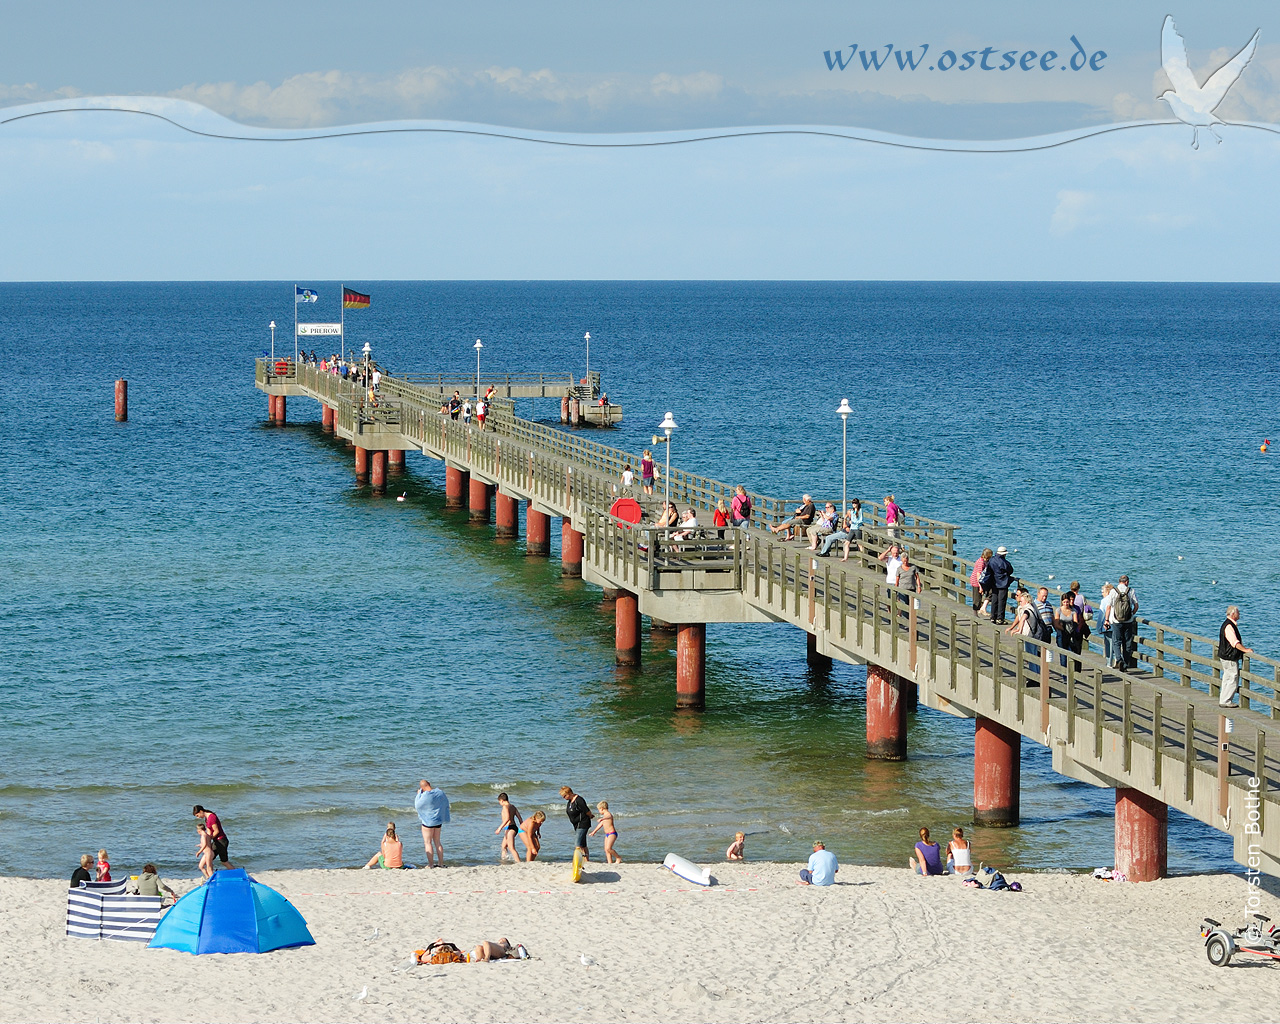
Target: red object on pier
[(506, 515), (627, 509), (378, 472), (1142, 836), (570, 550), (537, 532), (997, 771), (455, 486), (691, 665), (122, 401), (626, 630), (886, 715)]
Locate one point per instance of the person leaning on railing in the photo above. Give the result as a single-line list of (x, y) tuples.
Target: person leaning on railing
[(1231, 651)]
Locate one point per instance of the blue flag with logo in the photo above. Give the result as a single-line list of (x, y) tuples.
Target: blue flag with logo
[(303, 295)]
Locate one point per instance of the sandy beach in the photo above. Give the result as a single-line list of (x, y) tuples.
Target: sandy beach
[(880, 945)]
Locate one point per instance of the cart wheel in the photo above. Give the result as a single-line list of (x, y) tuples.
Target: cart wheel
[(1217, 950)]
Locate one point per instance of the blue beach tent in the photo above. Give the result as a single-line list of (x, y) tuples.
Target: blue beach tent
[(231, 913)]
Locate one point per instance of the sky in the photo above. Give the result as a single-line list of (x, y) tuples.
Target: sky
[(96, 195)]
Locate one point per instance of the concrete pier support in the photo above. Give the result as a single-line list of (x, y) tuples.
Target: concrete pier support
[(691, 665), (570, 550), (821, 662), (886, 715), (362, 465), (478, 505), (271, 408), (122, 401), (455, 486), (506, 515), (280, 416), (326, 418), (564, 409), (1142, 836), (626, 631), (378, 472), (997, 769), (537, 532), (395, 461)]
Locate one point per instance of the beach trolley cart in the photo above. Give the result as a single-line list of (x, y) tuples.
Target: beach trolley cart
[(1259, 937), (103, 910)]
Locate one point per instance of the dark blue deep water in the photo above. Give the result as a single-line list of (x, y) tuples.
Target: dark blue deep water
[(196, 607)]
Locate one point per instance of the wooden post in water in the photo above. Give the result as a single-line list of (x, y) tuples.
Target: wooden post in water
[(122, 401)]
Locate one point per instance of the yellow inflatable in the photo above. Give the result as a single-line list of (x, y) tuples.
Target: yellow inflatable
[(576, 875)]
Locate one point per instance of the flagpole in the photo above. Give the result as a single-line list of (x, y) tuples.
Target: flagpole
[(295, 322), (342, 319)]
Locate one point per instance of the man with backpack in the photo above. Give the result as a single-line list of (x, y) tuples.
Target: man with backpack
[(1124, 629)]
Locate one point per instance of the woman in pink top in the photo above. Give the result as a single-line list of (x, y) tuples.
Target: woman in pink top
[(975, 577)]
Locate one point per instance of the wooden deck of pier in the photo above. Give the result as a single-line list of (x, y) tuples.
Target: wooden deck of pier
[(1155, 735)]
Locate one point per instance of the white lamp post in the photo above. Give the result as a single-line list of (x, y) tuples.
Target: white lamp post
[(666, 426), (843, 412), (273, 344), (587, 338), (478, 347)]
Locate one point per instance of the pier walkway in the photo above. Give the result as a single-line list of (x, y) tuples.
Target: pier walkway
[(1155, 735)]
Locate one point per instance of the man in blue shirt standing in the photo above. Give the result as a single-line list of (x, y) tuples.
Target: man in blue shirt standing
[(822, 867), (433, 811)]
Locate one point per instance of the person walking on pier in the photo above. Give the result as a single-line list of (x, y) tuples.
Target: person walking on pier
[(432, 806), (455, 406), (579, 817), (647, 472), (740, 508), (628, 481), (1231, 651), (1108, 599), (977, 576), (892, 558), (892, 516), (1124, 628), (1000, 573)]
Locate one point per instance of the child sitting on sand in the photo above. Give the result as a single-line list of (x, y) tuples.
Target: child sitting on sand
[(737, 847), (104, 867), (531, 835), (610, 832)]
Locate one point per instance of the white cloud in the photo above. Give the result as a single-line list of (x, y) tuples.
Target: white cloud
[(1075, 207)]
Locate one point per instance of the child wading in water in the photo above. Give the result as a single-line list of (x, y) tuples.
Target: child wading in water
[(610, 832), (736, 848), (531, 835), (509, 827)]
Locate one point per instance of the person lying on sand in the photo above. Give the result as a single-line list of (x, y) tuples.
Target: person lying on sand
[(487, 951)]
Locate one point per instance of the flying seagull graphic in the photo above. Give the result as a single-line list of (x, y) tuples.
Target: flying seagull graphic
[(1191, 102)]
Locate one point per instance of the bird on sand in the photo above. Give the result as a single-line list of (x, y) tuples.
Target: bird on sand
[(1191, 102), (588, 961)]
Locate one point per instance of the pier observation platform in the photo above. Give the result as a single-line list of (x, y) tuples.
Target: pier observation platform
[(1155, 735)]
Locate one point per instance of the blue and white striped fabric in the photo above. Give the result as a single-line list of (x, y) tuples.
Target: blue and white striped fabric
[(103, 910)]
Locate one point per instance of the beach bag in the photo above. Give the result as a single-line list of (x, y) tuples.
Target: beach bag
[(441, 953), (996, 882), (1040, 630)]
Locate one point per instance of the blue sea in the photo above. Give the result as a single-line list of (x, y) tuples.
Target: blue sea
[(197, 607)]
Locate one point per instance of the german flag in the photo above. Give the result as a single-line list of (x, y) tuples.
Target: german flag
[(354, 300)]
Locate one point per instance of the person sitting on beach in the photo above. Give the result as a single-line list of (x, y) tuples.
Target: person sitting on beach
[(104, 867), (82, 873), (509, 826), (610, 832), (391, 853), (531, 836), (927, 858), (737, 848), (822, 867), (149, 883), (959, 853), (487, 951), (802, 517)]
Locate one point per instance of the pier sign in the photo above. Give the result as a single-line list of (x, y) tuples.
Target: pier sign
[(319, 330)]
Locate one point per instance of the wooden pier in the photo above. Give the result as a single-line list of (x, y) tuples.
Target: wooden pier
[(1156, 735)]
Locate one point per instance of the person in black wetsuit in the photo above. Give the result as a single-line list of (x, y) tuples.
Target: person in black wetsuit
[(579, 817)]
